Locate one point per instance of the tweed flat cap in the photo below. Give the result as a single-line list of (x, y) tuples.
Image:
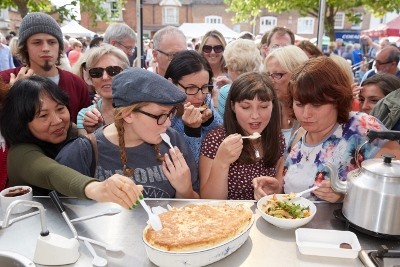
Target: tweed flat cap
[(135, 85), (38, 22)]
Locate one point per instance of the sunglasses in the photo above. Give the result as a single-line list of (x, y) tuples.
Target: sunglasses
[(217, 49), (110, 70)]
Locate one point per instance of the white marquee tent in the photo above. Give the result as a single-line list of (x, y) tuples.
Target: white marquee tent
[(73, 29), (196, 30)]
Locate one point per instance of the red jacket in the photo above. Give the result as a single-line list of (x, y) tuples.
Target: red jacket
[(73, 85), (3, 168)]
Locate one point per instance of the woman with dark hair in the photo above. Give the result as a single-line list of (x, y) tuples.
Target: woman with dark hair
[(310, 49), (228, 164), (35, 123), (192, 74), (322, 101), (375, 88)]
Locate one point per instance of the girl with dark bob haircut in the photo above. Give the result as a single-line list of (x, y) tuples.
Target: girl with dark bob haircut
[(36, 124), (330, 133), (229, 163), (192, 74)]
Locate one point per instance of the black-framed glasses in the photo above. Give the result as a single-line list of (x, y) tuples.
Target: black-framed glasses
[(377, 62), (193, 89), (130, 49), (276, 75), (110, 70), (217, 49), (162, 118), (170, 56)]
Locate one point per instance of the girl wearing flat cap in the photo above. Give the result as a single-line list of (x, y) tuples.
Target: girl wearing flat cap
[(144, 105)]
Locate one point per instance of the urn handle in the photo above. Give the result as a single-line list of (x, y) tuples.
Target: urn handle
[(390, 135), (336, 184)]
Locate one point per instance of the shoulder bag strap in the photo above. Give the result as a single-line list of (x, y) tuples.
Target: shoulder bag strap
[(95, 153)]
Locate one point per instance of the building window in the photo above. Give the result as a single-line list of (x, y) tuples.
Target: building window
[(305, 25), (358, 26), (267, 23), (113, 11), (213, 19), (170, 15), (339, 20)]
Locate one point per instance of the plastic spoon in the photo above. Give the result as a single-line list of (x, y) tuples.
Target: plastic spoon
[(166, 139), (97, 260), (255, 135), (107, 212), (109, 247), (19, 218), (296, 195), (154, 220)]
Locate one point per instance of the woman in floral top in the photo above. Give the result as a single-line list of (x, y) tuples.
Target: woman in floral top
[(322, 99), (228, 163)]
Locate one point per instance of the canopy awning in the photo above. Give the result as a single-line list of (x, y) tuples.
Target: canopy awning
[(74, 29), (391, 28)]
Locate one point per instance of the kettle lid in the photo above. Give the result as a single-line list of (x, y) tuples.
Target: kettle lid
[(383, 167)]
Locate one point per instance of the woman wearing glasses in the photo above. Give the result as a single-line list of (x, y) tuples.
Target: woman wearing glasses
[(212, 47), (279, 65), (144, 105), (192, 74), (35, 122), (102, 64)]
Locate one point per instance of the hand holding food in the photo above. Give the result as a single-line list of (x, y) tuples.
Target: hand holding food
[(326, 192), (192, 116), (118, 189), (92, 120), (230, 149)]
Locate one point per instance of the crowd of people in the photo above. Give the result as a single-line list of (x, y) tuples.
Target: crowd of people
[(76, 117)]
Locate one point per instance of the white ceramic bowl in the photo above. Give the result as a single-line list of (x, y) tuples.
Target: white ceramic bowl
[(199, 257), (6, 201), (287, 223)]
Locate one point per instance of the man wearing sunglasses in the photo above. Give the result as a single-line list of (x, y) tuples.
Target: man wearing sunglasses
[(167, 42), (41, 46)]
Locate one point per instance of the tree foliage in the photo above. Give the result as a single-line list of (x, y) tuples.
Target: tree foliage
[(249, 10), (92, 7)]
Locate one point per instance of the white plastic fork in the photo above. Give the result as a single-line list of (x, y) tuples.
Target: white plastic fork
[(255, 135), (154, 220)]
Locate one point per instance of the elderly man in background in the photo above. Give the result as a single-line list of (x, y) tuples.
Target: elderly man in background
[(167, 42), (122, 36)]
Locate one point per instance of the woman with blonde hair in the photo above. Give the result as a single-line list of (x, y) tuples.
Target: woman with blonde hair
[(144, 105), (240, 56), (279, 65), (101, 65), (212, 47)]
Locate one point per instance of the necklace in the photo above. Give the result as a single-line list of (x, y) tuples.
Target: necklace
[(256, 150)]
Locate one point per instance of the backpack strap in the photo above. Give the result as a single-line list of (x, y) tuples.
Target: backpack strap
[(95, 153)]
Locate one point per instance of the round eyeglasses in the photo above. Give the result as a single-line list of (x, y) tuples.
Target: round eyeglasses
[(162, 118)]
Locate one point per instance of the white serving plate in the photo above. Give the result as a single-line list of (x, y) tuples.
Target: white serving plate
[(326, 243), (287, 223), (200, 257)]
